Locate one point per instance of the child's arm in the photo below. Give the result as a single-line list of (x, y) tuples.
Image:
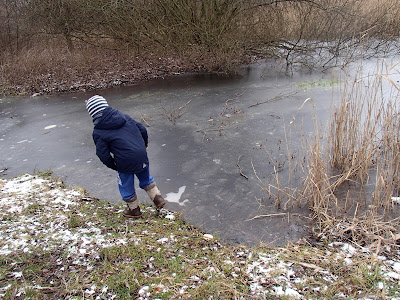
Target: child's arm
[(143, 131), (103, 152)]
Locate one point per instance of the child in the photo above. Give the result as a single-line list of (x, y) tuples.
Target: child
[(121, 144)]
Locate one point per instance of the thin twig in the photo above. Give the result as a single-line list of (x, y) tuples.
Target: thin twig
[(240, 169), (272, 99), (175, 113), (266, 216), (307, 265), (183, 106), (210, 129), (144, 120), (255, 173)]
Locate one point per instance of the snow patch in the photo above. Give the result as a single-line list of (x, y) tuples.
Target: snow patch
[(176, 197)]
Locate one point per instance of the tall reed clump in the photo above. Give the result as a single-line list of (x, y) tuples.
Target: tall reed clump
[(363, 138), (387, 181), (362, 151), (351, 169)]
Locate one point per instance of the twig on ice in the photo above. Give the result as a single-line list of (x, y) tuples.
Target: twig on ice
[(240, 169), (266, 216)]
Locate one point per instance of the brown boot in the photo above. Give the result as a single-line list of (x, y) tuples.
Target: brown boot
[(155, 195), (133, 213), (159, 201), (133, 210)]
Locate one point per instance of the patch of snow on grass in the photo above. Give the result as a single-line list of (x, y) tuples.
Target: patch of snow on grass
[(22, 185), (38, 208)]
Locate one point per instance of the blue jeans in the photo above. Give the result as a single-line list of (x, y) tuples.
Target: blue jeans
[(126, 182)]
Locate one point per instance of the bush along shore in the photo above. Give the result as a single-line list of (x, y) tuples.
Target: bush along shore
[(58, 242)]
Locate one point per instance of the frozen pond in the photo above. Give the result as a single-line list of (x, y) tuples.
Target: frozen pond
[(212, 142)]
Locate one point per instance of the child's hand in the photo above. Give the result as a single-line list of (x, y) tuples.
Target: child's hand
[(147, 148)]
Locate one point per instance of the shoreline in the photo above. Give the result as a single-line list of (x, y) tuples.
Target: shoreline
[(136, 76)]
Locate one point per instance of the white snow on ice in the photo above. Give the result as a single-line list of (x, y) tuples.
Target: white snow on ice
[(176, 197)]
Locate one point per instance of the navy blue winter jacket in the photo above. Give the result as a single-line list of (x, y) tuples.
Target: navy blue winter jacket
[(120, 141)]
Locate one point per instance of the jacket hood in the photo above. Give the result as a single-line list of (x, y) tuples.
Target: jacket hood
[(110, 119)]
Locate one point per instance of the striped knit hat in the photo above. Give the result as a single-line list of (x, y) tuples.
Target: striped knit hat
[(95, 105)]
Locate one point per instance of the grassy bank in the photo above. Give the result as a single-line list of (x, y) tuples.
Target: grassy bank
[(57, 242)]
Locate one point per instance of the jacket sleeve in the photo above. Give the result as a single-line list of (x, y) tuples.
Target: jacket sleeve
[(143, 131), (103, 152)]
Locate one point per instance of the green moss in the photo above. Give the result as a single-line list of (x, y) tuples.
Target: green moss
[(318, 83), (76, 221), (44, 174)]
